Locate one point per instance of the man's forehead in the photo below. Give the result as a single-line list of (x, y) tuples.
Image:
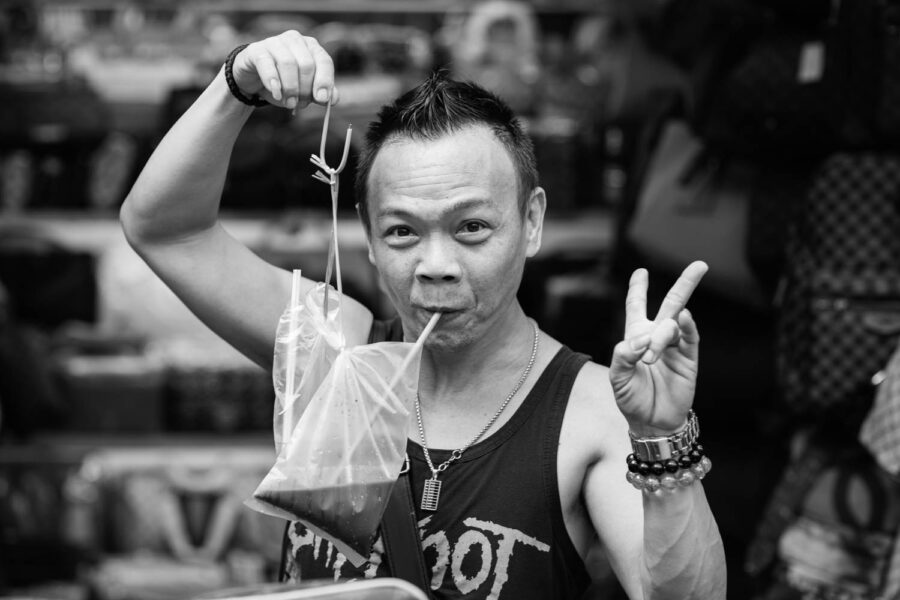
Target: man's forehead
[(465, 143), (397, 207), (470, 154)]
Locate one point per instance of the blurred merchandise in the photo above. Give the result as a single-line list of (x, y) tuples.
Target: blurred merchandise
[(16, 181), (170, 521), (615, 176), (52, 113), (112, 171), (376, 48), (47, 284), (568, 291), (32, 505), (773, 78), (212, 389), (496, 46), (880, 431), (570, 105), (255, 178), (115, 393), (29, 400), (832, 527), (693, 205), (47, 134), (839, 315), (558, 153), (139, 55)]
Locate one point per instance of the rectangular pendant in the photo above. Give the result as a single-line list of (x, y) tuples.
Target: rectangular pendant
[(431, 494)]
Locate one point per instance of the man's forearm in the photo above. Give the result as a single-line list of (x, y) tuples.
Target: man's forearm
[(179, 190), (683, 553)]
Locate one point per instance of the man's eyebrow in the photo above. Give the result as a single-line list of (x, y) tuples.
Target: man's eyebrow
[(456, 206)]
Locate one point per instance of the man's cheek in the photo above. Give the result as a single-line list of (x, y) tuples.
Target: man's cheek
[(396, 286)]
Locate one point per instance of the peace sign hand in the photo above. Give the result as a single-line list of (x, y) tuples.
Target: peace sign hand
[(653, 371)]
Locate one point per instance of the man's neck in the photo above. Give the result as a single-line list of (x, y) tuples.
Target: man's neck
[(498, 355)]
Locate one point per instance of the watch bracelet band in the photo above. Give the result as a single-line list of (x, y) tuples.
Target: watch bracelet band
[(254, 100), (654, 449)]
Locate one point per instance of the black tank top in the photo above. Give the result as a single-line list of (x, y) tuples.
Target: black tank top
[(498, 532)]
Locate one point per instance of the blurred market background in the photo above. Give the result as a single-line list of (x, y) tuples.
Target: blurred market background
[(129, 433)]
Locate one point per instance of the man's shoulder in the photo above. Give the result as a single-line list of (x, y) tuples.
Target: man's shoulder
[(592, 390), (592, 416), (591, 380)]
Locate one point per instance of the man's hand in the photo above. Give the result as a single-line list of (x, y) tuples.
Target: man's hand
[(287, 70), (654, 369)]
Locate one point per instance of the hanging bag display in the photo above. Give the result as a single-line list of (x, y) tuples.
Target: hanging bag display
[(694, 205), (839, 313)]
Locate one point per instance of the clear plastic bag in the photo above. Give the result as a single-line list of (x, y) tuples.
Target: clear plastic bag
[(306, 344), (336, 471), (342, 414)]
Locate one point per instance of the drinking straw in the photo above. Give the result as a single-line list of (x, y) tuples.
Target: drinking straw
[(288, 422), (419, 343)]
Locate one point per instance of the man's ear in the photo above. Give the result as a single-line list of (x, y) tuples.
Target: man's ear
[(368, 234), (534, 220)]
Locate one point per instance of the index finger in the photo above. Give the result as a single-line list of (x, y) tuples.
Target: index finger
[(323, 81), (680, 293), (636, 299)]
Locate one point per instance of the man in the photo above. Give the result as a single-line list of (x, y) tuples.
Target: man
[(450, 203)]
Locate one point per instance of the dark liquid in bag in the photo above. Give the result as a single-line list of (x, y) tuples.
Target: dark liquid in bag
[(350, 513)]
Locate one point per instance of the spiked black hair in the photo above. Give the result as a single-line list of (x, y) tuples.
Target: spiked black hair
[(440, 106)]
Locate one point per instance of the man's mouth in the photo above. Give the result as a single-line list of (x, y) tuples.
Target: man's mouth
[(438, 308)]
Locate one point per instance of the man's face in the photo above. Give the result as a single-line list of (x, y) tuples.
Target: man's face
[(447, 234)]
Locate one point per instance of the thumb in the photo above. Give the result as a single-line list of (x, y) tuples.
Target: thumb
[(626, 355)]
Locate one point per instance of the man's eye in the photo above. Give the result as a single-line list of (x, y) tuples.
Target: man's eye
[(473, 227), (400, 231), (400, 236)]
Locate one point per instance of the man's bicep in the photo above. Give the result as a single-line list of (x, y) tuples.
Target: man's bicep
[(238, 295), (616, 511)]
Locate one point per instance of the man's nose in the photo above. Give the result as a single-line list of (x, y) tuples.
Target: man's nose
[(437, 263)]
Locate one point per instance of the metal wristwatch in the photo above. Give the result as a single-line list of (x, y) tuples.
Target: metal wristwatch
[(655, 449)]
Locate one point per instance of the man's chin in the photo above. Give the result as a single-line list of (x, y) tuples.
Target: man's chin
[(452, 331), (447, 340)]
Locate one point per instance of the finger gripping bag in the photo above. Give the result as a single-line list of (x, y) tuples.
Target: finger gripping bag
[(336, 471)]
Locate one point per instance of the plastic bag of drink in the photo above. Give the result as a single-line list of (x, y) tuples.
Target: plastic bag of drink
[(336, 470), (342, 414)]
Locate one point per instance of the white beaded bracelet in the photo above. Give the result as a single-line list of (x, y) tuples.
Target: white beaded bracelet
[(670, 481)]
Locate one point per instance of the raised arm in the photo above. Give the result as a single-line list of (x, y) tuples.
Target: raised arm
[(170, 217), (672, 547)]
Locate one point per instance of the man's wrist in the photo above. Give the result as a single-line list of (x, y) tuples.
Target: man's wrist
[(249, 100), (645, 431), (660, 445)]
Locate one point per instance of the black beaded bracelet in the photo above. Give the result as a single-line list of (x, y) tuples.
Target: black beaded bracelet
[(254, 100), (683, 461), (679, 471)]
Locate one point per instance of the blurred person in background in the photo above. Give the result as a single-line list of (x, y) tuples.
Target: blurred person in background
[(451, 206)]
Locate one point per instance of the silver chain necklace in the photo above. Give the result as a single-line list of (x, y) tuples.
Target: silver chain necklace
[(432, 491)]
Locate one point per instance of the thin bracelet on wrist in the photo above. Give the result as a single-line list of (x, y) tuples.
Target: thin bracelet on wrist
[(253, 100)]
